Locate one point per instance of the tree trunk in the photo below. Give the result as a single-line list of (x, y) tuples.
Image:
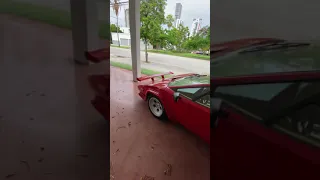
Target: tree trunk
[(146, 50), (118, 31)]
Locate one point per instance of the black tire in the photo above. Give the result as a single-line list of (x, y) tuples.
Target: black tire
[(157, 111)]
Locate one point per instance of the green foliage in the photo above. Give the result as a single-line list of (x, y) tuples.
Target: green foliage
[(176, 37), (201, 41), (114, 28), (169, 21), (152, 17)]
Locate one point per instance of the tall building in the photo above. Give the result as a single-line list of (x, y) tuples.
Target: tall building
[(178, 10), (177, 13), (178, 22), (126, 16), (196, 26)]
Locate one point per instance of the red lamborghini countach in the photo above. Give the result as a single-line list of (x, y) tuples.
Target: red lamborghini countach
[(265, 103), (183, 98)]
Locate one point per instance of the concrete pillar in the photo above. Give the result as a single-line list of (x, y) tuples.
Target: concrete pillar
[(85, 28), (134, 18)]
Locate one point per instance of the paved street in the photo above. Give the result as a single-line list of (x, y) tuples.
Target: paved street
[(162, 62)]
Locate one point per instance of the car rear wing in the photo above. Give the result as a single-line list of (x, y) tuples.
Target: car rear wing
[(98, 55), (143, 78)]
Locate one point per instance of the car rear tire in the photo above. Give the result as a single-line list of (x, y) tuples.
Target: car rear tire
[(156, 108)]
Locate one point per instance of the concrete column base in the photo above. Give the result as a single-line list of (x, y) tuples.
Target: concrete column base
[(134, 17)]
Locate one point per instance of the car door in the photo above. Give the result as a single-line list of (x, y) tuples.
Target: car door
[(199, 116), (194, 114), (244, 142)]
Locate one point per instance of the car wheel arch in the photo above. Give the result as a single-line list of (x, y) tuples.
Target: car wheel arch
[(151, 93)]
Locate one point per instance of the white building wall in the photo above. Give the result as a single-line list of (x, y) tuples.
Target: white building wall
[(125, 30), (125, 40), (195, 27)]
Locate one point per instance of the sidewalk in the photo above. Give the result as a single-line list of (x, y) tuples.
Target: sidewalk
[(152, 66)]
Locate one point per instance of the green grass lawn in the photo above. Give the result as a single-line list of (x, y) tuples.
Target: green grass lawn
[(129, 67), (187, 55), (123, 47)]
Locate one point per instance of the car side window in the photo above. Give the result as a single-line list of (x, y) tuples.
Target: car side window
[(189, 92), (259, 100), (252, 99), (204, 101), (303, 125)]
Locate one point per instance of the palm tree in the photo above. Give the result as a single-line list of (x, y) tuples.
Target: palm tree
[(116, 9), (169, 21)]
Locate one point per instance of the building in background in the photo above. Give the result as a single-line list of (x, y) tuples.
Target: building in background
[(196, 26), (125, 38), (126, 16), (178, 22), (177, 13)]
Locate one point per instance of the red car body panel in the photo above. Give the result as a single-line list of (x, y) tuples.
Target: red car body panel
[(176, 111), (100, 83), (98, 55), (246, 149)]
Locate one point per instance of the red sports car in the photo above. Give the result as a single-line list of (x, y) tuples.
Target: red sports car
[(183, 98), (265, 104)]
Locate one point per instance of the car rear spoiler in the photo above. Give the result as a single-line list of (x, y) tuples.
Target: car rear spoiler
[(143, 78), (98, 55)]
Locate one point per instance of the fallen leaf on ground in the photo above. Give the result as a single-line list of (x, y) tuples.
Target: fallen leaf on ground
[(27, 164), (118, 150), (112, 173), (82, 155), (40, 160), (145, 177), (120, 128), (10, 175), (168, 171)]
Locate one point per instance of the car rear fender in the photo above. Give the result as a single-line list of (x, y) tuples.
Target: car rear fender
[(152, 92)]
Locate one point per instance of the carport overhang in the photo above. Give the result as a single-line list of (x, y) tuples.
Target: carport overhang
[(85, 31)]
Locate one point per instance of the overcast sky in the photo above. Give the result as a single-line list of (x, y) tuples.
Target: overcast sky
[(190, 9)]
